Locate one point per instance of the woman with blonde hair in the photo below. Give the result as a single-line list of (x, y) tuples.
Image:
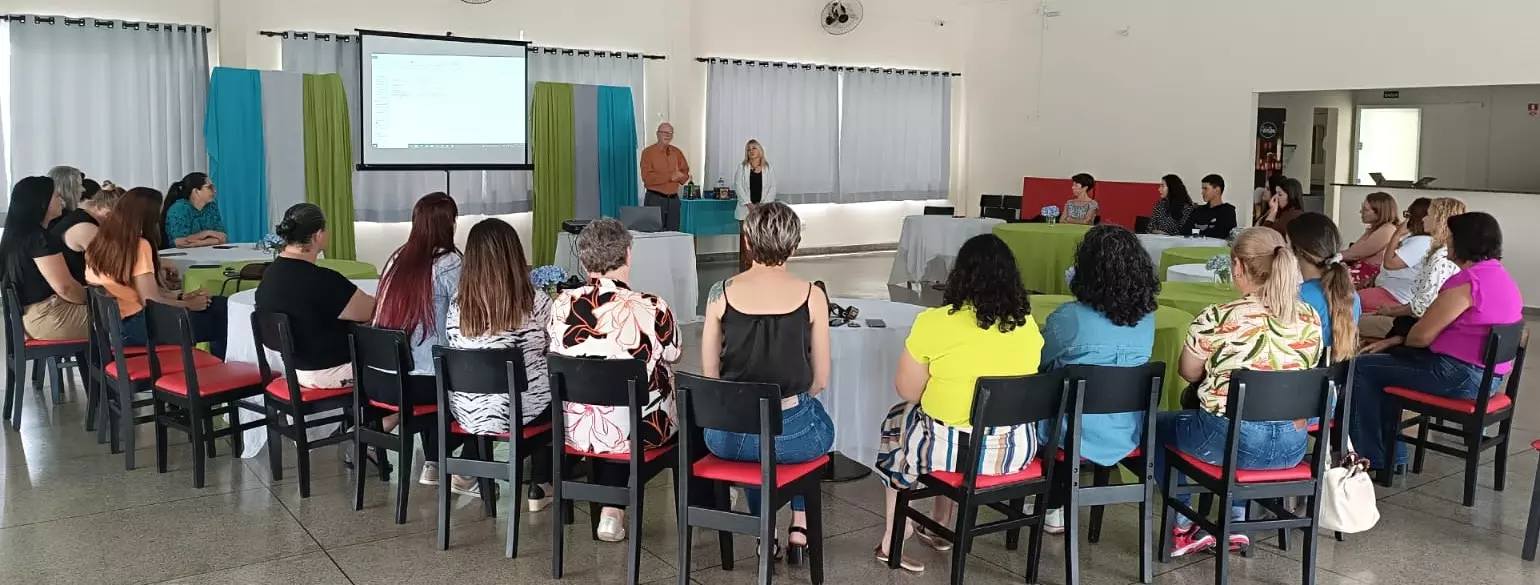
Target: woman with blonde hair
[(1435, 268), (755, 185), (1268, 328), (1382, 219)]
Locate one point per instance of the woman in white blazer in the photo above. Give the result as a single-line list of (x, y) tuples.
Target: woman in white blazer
[(755, 184)]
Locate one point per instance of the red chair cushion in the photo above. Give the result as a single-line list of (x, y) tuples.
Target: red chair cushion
[(1131, 454), (170, 363), (53, 342), (216, 379), (1315, 427), (133, 350), (1496, 403), (279, 388), (1296, 473), (647, 456), (747, 473), (1536, 445), (418, 410), (528, 432), (1034, 471)]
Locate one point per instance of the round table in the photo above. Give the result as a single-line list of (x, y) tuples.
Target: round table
[(861, 381), (1189, 273), (928, 245), (1194, 297), (1189, 255), (1170, 334), (185, 258), (1157, 244), (242, 347), (1043, 252), (213, 279)]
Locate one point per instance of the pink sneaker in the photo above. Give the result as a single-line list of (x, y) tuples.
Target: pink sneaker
[(1185, 541), (1239, 542)]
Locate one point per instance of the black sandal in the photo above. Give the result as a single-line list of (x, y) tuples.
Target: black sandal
[(796, 554)]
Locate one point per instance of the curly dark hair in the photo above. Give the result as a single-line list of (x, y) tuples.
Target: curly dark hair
[(1114, 275), (985, 278)]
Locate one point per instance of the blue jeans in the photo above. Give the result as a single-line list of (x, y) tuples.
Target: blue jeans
[(1262, 445), (208, 326), (807, 433), (1423, 371)]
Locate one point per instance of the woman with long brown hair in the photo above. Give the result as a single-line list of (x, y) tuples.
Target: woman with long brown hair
[(1382, 218), (415, 289), (122, 259), (497, 307)]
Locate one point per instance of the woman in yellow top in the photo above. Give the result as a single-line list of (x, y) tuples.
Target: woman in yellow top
[(984, 328), (1269, 328)]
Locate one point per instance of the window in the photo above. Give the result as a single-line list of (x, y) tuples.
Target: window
[(1388, 144)]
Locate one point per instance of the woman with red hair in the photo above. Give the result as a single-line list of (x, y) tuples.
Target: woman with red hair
[(420, 279)]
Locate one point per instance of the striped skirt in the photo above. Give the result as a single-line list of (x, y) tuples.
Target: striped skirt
[(914, 444)]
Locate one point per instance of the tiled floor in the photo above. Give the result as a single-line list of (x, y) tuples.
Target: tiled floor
[(70, 513)]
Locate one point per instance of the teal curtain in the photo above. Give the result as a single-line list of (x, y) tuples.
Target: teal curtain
[(555, 166), (232, 128), (329, 160), (618, 174)]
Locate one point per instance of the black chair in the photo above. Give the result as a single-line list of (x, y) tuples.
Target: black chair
[(988, 201), (946, 210), (1004, 213), (1255, 396), (997, 402), (290, 406), (612, 383), (485, 371), (1110, 390), (1142, 224), (189, 399), (1532, 526), (1011, 202), (19, 350), (754, 409), (1338, 426), (381, 360), (1503, 344), (249, 273)]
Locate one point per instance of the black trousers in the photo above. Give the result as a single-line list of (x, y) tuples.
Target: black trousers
[(419, 391), (670, 206)]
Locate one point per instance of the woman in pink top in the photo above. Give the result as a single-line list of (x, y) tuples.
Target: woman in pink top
[(1443, 353)]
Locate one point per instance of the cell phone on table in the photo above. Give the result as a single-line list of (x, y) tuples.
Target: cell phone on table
[(170, 254), (223, 247), (876, 323)]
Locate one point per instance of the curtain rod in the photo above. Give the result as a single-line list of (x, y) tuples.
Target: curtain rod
[(550, 50), (101, 23), (822, 67)]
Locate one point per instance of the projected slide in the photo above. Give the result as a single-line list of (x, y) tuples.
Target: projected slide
[(444, 102)]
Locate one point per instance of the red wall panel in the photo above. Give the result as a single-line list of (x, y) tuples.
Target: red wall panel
[(1119, 202)]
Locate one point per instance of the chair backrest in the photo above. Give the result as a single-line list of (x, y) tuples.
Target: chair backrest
[(1018, 400), (253, 271), (1142, 224), (272, 331), (1011, 202), (381, 359), (598, 381), (106, 327), (1257, 395), (168, 325), (987, 201), (1503, 343), (1115, 389), (480, 371), (15, 336), (946, 210), (1004, 213), (735, 407)]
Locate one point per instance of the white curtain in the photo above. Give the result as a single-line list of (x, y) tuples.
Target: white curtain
[(388, 196), (792, 110), (121, 101), (895, 136)]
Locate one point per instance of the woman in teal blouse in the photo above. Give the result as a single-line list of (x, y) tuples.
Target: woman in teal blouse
[(191, 217)]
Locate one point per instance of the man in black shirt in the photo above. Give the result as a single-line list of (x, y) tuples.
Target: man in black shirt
[(1215, 218)]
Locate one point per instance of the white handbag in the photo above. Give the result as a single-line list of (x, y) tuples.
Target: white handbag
[(1348, 504)]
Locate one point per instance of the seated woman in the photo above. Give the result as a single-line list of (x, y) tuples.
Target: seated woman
[(53, 303), (1269, 328), (1328, 285), (1110, 323), (650, 335), (1286, 204), (77, 228), (1381, 222), (319, 302), (1172, 209), (416, 286), (122, 259), (766, 325), (984, 329), (191, 216), (1081, 209), (1392, 320), (496, 306), (1443, 352)]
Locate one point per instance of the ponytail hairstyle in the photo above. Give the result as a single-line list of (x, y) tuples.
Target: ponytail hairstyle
[(180, 190), (406, 288), (1437, 222), (1270, 264), (1316, 241)]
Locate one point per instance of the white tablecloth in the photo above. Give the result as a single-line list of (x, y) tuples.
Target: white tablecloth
[(861, 384), (929, 243), (1156, 245), (242, 347), (1189, 273), (184, 258), (662, 263)]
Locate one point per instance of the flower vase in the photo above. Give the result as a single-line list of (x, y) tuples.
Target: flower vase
[(1053, 219), (1222, 278)]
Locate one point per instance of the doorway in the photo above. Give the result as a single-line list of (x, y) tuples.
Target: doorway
[(1389, 143)]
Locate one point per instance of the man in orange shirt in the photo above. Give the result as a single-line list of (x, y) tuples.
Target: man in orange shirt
[(664, 169)]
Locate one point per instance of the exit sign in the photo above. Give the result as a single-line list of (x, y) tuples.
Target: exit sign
[(1392, 95)]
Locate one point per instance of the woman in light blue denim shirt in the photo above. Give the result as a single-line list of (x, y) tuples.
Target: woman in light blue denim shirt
[(1111, 322)]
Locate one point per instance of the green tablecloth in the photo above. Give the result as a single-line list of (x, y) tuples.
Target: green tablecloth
[(212, 279), (1188, 255), (1043, 252), (1194, 297), (1170, 333)]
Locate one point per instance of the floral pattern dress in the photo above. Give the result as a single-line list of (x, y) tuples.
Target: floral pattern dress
[(606, 319), (1241, 335)]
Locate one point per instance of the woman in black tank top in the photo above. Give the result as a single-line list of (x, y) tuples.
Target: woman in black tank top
[(789, 349)]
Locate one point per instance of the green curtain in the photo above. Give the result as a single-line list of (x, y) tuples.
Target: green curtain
[(555, 166), (329, 161)]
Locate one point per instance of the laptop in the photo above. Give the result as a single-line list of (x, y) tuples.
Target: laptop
[(642, 219)]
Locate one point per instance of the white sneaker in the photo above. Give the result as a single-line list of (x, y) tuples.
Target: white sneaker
[(611, 529), (1053, 521), (465, 486), (429, 473)]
